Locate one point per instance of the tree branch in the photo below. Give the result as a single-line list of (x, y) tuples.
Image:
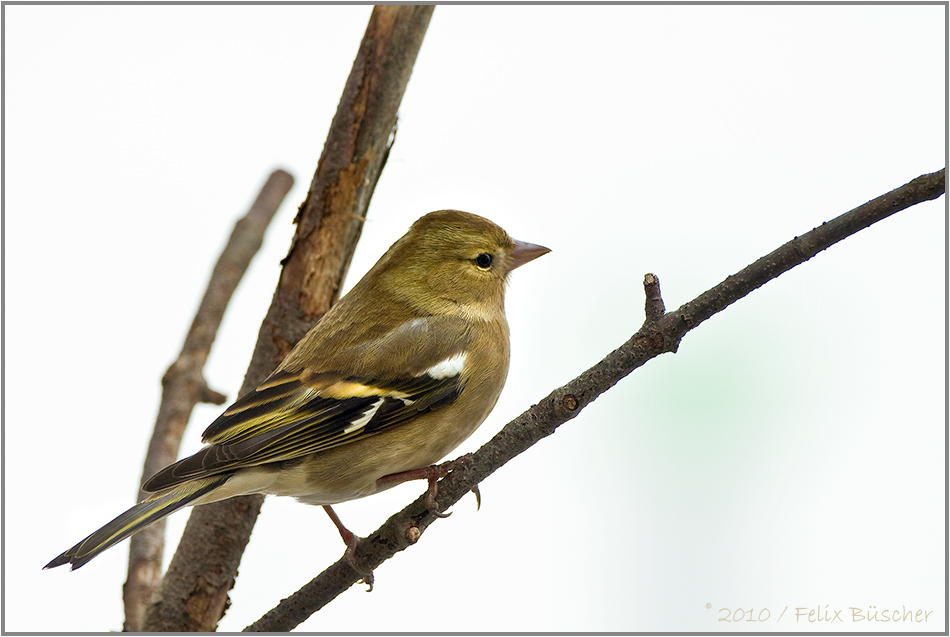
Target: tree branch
[(193, 594), (184, 386), (660, 333)]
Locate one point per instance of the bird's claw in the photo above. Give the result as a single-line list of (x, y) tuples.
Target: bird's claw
[(431, 505), (352, 540), (437, 473), (432, 474), (349, 556)]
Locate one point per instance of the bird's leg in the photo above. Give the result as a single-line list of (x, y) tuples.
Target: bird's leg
[(432, 474), (352, 541)]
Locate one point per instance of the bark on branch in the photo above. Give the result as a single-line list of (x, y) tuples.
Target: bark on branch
[(193, 594), (660, 333), (184, 386)]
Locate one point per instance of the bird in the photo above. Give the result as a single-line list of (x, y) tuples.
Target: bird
[(397, 374)]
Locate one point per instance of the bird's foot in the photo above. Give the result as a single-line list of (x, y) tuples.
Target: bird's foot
[(352, 540), (432, 474)]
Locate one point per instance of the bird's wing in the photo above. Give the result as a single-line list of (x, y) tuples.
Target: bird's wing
[(296, 413)]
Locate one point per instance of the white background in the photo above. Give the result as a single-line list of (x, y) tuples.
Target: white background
[(790, 455)]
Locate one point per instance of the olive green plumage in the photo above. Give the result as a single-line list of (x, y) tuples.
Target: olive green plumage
[(394, 377)]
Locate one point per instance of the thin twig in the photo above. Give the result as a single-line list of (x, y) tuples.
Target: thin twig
[(659, 334), (184, 386), (653, 307)]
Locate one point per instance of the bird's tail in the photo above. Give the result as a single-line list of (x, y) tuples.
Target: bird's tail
[(136, 519)]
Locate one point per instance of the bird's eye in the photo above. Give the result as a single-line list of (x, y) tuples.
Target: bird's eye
[(483, 260)]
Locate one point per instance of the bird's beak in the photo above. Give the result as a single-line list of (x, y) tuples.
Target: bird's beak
[(524, 252)]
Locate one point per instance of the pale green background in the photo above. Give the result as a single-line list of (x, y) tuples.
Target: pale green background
[(790, 455)]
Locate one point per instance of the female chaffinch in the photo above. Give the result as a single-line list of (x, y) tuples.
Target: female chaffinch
[(394, 377)]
